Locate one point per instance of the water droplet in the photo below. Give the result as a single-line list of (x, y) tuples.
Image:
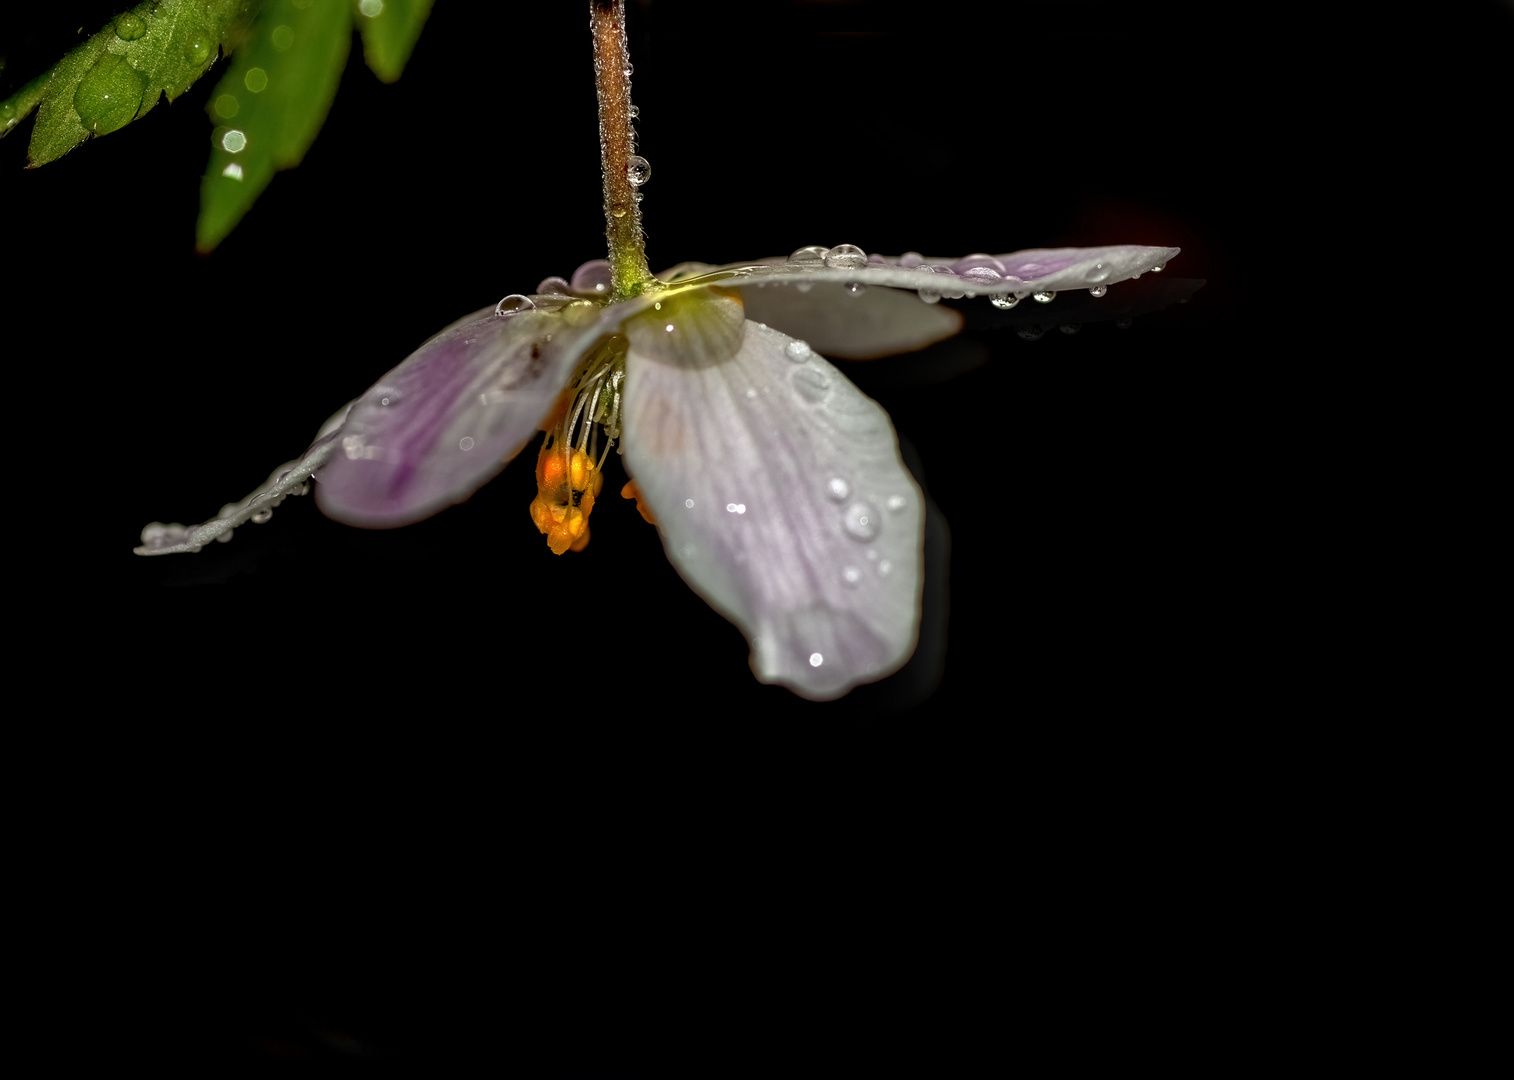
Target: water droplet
[(592, 277), (811, 384), (895, 503), (1004, 303), (861, 520), (911, 258), (689, 503), (855, 287), (735, 508), (198, 51), (1031, 333), (256, 80), (985, 274), (109, 94), (262, 517), (1044, 296), (618, 212), (885, 568), (1097, 273), (638, 169), (852, 576), (282, 475), (635, 112), (1070, 328), (130, 27), (234, 141), (930, 296), (845, 257), (1158, 268), (812, 255), (798, 351), (465, 443), (816, 659), (979, 261), (232, 170), (630, 67), (552, 286), (513, 304), (371, 8), (1098, 291), (838, 489)]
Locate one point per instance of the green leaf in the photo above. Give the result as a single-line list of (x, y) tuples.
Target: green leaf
[(390, 29), (269, 106), (157, 47)]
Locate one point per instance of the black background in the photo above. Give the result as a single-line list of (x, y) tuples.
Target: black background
[(456, 799)]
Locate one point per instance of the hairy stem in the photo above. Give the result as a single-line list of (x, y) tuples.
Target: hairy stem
[(628, 259)]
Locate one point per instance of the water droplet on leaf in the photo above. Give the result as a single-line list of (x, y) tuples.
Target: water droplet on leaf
[(513, 304), (198, 51), (638, 170), (109, 94), (130, 27)]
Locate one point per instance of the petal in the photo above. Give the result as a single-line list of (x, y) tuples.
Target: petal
[(1020, 272), (451, 416), (782, 500), (858, 324)]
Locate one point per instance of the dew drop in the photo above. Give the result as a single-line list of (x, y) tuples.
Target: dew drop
[(262, 517), (1096, 274), (592, 277), (1004, 303), (689, 503), (979, 261), (735, 508), (1158, 268), (985, 274), (845, 257), (930, 296), (552, 286), (813, 255), (895, 503), (852, 576), (618, 212), (798, 351), (630, 67), (7, 114), (838, 489), (855, 287), (513, 304), (130, 27), (1098, 291), (816, 659), (911, 258), (635, 112), (861, 520), (811, 384), (109, 94), (885, 568), (638, 170), (1044, 296), (198, 51)]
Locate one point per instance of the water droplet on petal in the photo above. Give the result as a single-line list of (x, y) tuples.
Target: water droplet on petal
[(262, 517), (1098, 291), (855, 287), (129, 27), (838, 489), (861, 520), (1158, 268), (514, 304), (885, 568), (465, 443), (813, 255), (845, 257), (638, 170), (1044, 296), (592, 277), (978, 261), (811, 384), (109, 94), (553, 286), (930, 296), (798, 351), (635, 112), (1004, 303), (1098, 272), (852, 576), (911, 258), (630, 67), (985, 274), (896, 503)]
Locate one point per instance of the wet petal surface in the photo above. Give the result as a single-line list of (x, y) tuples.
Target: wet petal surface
[(443, 423), (782, 500)]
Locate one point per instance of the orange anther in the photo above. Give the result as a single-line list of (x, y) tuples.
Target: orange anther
[(630, 492), (565, 490)]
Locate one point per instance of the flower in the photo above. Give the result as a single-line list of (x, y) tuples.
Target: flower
[(776, 485)]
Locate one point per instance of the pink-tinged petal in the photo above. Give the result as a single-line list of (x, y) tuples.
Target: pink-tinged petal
[(782, 500), (1019, 273), (451, 416), (850, 322)]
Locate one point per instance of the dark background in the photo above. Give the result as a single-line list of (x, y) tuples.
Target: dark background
[(329, 780)]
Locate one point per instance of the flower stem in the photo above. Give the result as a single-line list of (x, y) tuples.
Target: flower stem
[(612, 81)]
